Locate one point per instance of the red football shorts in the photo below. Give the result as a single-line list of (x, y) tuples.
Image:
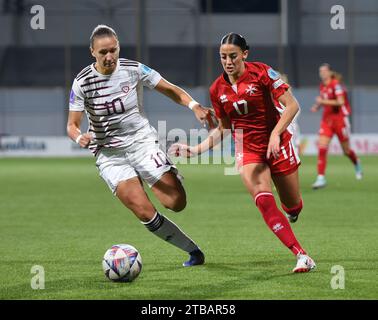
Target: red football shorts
[(339, 126), (287, 163)]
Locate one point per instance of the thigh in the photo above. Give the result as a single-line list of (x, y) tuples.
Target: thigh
[(288, 188), (325, 133), (342, 131), (168, 187), (256, 177)]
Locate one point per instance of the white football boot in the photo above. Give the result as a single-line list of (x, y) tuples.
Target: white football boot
[(304, 263), (358, 169), (320, 182)]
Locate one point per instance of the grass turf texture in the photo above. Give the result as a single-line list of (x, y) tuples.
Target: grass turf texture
[(59, 214)]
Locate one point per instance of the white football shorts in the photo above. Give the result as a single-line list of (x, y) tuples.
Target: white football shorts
[(145, 159)]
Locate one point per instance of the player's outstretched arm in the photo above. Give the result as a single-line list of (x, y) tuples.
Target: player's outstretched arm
[(338, 102), (215, 136), (291, 109), (73, 129), (180, 96)]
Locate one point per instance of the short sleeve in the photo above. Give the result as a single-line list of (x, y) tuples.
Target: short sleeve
[(338, 89), (272, 80), (149, 77), (218, 108), (76, 102)]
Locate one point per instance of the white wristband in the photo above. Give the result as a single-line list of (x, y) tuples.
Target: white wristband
[(192, 104), (78, 138)]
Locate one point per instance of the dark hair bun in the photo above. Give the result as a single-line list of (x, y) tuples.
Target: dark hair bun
[(236, 39)]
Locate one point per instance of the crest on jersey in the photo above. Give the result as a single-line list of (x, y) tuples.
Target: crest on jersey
[(124, 87), (250, 90), (274, 75)]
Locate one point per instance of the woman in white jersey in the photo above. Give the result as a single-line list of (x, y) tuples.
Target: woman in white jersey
[(126, 146)]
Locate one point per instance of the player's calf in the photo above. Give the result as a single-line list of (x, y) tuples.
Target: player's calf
[(167, 230), (170, 192), (175, 202)]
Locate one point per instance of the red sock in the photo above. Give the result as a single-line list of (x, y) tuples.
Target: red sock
[(294, 211), (352, 156), (277, 222), (322, 160)]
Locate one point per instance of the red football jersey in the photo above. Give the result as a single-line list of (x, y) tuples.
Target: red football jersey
[(330, 92), (249, 104)]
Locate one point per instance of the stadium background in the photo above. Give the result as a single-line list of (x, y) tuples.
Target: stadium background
[(180, 39), (44, 208)]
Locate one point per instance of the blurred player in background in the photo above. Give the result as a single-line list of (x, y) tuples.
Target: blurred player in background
[(335, 121), (126, 146), (243, 101)]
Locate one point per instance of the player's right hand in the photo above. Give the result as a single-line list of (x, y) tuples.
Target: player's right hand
[(85, 140), (181, 150), (211, 120)]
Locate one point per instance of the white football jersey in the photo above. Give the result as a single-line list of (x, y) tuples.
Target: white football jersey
[(114, 103)]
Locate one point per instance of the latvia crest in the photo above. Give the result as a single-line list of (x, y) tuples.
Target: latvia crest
[(124, 87)]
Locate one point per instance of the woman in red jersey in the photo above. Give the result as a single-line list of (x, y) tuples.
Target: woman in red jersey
[(335, 121), (242, 98)]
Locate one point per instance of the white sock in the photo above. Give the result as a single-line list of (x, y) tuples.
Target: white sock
[(168, 231)]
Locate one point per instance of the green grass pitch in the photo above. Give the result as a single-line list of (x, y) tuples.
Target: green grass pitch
[(59, 214)]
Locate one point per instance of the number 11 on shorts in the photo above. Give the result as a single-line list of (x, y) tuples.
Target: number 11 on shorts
[(160, 159)]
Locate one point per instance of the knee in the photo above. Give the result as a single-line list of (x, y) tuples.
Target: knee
[(176, 202)]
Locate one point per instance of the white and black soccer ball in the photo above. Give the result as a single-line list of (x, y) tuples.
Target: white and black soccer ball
[(122, 262)]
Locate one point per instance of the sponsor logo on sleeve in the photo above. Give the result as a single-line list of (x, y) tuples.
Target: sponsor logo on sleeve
[(146, 70), (338, 89), (274, 75), (278, 83), (72, 96)]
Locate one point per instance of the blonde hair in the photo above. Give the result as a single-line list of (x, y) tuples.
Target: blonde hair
[(100, 31), (338, 76)]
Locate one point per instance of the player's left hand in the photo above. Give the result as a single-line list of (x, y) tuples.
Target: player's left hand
[(181, 150), (274, 146)]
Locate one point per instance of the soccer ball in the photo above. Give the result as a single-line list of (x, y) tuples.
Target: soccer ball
[(122, 263)]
